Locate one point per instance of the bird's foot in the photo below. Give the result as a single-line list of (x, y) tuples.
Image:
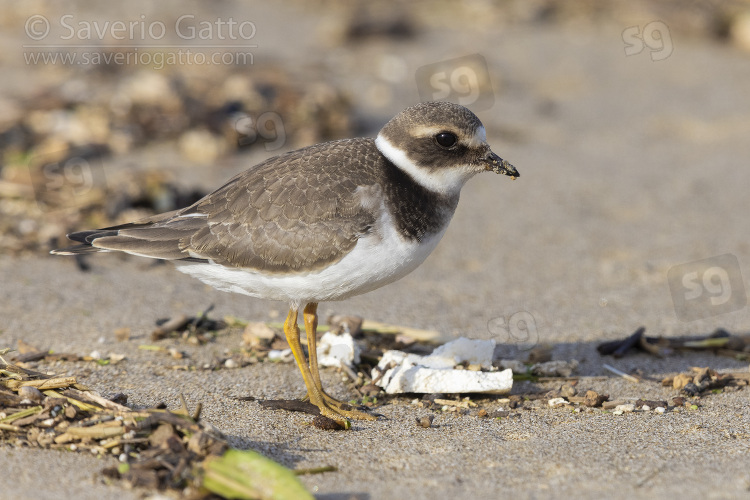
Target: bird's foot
[(343, 409), (346, 409)]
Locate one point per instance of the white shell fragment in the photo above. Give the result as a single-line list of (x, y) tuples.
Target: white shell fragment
[(336, 350), (436, 373), (284, 355), (557, 402), (461, 350)]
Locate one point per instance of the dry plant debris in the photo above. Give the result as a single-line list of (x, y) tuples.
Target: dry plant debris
[(197, 329), (157, 449), (702, 380), (720, 342), (375, 338), (55, 142)]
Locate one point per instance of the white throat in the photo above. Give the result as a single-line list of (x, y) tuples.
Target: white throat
[(447, 181)]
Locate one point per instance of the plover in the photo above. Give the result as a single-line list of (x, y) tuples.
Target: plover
[(321, 223)]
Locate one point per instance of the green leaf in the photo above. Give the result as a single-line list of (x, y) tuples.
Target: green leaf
[(249, 475)]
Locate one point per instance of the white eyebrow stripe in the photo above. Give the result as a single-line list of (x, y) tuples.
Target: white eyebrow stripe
[(425, 131), (478, 139)]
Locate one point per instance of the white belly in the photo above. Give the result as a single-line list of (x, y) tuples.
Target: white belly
[(377, 259)]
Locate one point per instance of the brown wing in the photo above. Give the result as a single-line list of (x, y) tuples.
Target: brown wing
[(300, 210)]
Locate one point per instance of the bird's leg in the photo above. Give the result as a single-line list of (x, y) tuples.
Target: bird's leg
[(310, 315), (291, 330)]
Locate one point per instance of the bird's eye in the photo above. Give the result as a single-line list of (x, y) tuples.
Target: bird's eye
[(446, 139)]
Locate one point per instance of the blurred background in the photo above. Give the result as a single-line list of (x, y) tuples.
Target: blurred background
[(628, 122)]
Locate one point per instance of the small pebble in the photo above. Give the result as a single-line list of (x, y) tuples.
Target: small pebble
[(625, 408), (677, 401), (31, 393), (230, 363), (660, 409), (115, 358), (691, 389), (557, 402), (284, 355), (594, 399), (119, 398), (123, 457), (425, 421), (274, 355), (567, 391), (122, 334), (370, 390)]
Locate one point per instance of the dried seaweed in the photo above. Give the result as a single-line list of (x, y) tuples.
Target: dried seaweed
[(156, 448)]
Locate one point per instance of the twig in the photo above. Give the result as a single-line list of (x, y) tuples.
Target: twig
[(171, 325), (706, 343), (91, 397), (22, 414), (618, 348), (316, 470), (348, 371), (650, 348), (621, 373), (50, 383)]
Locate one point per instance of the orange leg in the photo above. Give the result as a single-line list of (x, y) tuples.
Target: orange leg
[(310, 316), (291, 330)]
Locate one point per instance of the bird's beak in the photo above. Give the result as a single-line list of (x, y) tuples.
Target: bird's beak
[(500, 166)]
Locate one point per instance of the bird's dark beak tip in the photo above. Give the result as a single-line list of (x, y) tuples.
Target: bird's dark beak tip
[(500, 166)]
